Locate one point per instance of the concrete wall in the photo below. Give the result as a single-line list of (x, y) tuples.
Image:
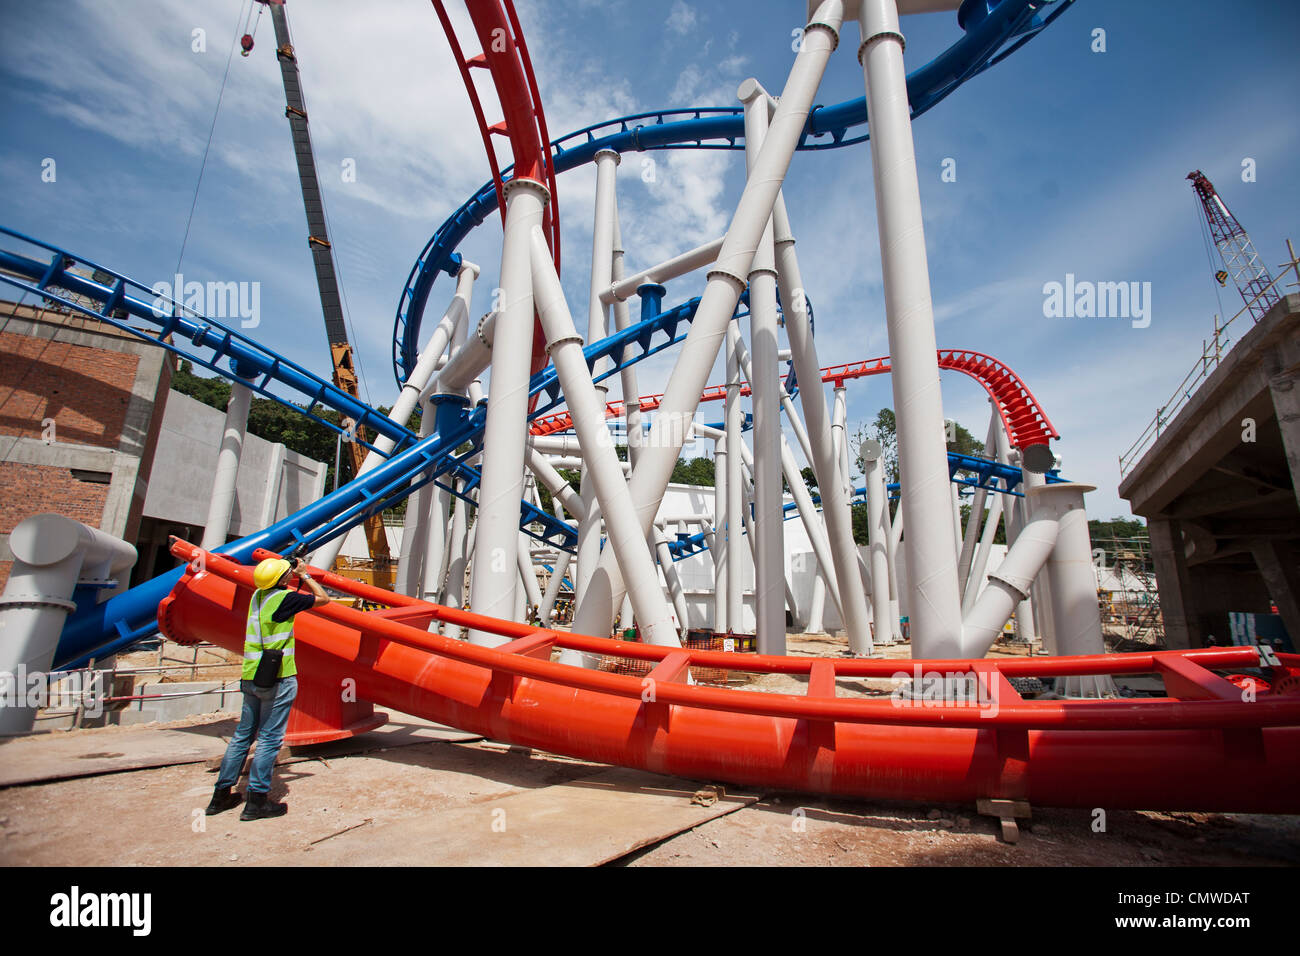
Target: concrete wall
[(273, 481)]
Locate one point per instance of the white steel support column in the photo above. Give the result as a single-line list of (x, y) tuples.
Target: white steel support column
[(840, 439), (1025, 630), (527, 575), (718, 303), (975, 583), (929, 548), (878, 542), (450, 330), (627, 374), (817, 442), (492, 590), (765, 385), (817, 606), (718, 548), (626, 538), (735, 495), (415, 527), (222, 503), (671, 577), (1041, 591)]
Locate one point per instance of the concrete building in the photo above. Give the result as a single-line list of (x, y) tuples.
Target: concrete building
[(90, 429), (1220, 489)]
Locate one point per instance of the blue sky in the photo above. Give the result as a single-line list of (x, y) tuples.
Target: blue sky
[(1068, 161)]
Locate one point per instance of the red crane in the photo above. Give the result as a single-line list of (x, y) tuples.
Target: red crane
[(1240, 259)]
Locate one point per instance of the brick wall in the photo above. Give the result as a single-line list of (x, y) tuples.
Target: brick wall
[(35, 489), (85, 390)]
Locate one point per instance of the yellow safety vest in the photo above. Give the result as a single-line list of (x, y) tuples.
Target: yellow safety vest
[(263, 634)]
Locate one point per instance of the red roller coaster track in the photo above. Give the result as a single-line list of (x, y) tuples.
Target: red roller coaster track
[(1201, 748), (505, 55), (1025, 420)]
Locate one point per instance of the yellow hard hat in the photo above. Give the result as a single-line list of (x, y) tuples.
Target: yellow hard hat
[(268, 572)]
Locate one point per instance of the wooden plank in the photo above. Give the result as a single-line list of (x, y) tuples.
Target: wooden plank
[(585, 822)]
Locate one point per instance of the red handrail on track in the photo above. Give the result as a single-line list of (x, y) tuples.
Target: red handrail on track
[(1025, 420), (1206, 750), (505, 55)]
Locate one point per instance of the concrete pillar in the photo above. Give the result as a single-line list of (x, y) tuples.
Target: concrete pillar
[(1285, 391), (222, 503), (1177, 598), (1282, 578)]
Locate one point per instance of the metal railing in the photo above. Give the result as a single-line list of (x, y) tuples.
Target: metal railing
[(1211, 355)]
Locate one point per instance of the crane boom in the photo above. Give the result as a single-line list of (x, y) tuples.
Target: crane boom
[(1242, 262), (322, 254)]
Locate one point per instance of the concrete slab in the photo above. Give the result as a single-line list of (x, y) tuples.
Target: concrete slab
[(86, 753), (586, 822)]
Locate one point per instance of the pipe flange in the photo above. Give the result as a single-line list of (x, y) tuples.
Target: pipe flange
[(606, 151), (519, 182), (478, 331), (821, 24), (551, 346), (1020, 585), (36, 600), (739, 280), (762, 271), (882, 35)]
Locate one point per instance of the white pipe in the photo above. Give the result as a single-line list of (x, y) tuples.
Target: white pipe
[(492, 588), (798, 490), (1025, 631), (1010, 584), (624, 288), (878, 542), (735, 497), (454, 590), (436, 556), (627, 374), (1041, 591), (765, 399), (468, 362), (547, 611), (527, 574), (416, 386), (555, 483), (930, 548), (626, 538), (718, 302), (817, 606), (817, 440), (217, 526), (976, 512), (976, 579), (51, 554), (718, 547), (415, 527), (840, 439), (671, 577)]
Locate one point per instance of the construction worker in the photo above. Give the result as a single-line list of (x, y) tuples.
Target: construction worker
[(269, 682)]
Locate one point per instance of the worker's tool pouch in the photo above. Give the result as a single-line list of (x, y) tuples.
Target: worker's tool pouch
[(268, 669)]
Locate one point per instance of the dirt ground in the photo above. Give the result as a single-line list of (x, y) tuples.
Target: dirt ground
[(154, 816)]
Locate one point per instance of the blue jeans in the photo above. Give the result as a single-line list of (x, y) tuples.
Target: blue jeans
[(265, 715)]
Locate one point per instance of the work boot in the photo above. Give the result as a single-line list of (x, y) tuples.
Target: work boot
[(223, 798), (260, 806)]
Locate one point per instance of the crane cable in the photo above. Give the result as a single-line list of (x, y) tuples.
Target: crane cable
[(211, 129), (1210, 250)]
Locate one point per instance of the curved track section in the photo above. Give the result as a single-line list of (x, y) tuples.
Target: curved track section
[(1025, 420), (1202, 748), (988, 37)]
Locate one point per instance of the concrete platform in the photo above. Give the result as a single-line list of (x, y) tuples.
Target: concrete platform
[(585, 822)]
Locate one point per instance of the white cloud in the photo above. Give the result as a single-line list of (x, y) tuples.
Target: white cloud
[(681, 18)]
